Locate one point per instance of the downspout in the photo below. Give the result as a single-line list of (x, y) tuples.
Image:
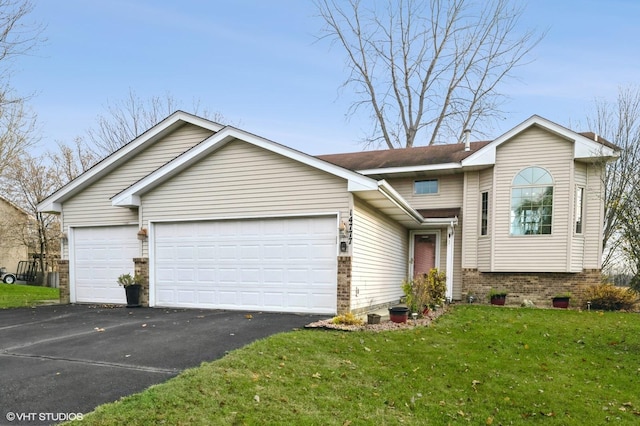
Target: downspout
[(451, 233)]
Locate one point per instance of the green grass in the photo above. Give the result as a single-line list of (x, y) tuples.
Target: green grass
[(476, 365), (19, 296)]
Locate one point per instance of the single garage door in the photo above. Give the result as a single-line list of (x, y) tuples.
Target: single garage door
[(100, 255), (280, 265)]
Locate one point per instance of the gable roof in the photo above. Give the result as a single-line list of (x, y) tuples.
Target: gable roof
[(378, 193), (584, 147), (53, 203), (130, 197), (453, 156)]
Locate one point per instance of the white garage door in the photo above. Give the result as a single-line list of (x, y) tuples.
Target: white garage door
[(282, 265), (100, 255)]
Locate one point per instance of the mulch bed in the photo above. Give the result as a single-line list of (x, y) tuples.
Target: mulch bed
[(385, 325)]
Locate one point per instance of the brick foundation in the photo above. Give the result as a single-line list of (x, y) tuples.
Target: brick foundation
[(344, 284), (63, 285), (537, 287), (141, 267)]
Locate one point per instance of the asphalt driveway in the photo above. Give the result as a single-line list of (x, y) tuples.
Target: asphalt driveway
[(56, 361)]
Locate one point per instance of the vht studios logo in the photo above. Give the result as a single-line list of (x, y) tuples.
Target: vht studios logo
[(43, 417)]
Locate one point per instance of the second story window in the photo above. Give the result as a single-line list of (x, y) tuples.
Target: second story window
[(531, 202), (429, 186)]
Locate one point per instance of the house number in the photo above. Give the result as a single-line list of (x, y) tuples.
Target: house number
[(350, 229)]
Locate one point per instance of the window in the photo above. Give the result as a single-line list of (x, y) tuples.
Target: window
[(579, 209), (484, 216), (426, 186), (531, 202)]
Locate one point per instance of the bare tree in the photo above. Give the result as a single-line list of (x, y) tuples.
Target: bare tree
[(426, 66), (126, 119), (619, 122), (69, 162), (31, 180), (17, 126), (17, 37)]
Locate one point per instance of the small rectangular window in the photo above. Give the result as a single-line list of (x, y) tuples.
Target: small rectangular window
[(579, 209), (426, 186), (484, 217)]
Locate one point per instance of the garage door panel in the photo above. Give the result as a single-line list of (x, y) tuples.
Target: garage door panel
[(270, 264), (100, 255)]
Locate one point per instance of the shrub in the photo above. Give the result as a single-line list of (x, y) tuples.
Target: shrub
[(496, 293), (425, 291), (347, 319), (610, 298)]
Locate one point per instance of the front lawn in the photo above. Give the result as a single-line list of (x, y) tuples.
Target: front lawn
[(476, 365), (19, 296)]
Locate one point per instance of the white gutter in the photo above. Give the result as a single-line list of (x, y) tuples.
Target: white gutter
[(393, 196)]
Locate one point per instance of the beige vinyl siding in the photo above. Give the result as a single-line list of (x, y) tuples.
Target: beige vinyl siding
[(380, 257), (471, 220), (93, 205), (577, 240), (450, 191), (241, 180), (594, 217), (533, 253), (484, 242)]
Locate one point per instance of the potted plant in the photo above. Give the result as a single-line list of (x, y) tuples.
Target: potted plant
[(561, 300), (497, 297), (398, 313), (132, 286)]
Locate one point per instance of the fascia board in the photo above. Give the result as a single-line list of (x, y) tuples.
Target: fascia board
[(585, 148), (55, 200), (48, 206), (410, 169), (224, 136)]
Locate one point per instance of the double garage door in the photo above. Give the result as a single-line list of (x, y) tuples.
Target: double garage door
[(281, 265)]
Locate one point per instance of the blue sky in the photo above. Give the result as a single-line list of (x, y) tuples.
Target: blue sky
[(257, 63)]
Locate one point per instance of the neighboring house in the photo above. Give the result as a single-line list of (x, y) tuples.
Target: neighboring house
[(216, 217), (15, 225)]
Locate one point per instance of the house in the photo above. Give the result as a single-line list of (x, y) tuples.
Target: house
[(15, 228), (215, 217)]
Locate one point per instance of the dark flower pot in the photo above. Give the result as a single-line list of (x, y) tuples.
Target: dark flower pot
[(398, 314), (560, 302), (373, 319), (133, 295), (498, 300)]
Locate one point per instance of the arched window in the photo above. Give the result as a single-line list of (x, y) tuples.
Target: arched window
[(531, 202)]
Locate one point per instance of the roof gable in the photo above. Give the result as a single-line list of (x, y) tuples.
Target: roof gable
[(584, 147), (130, 197), (53, 203)]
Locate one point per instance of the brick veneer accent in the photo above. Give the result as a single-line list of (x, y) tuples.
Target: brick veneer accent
[(63, 285), (344, 284), (141, 267), (537, 287)]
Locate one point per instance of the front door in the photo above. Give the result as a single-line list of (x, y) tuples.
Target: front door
[(424, 253)]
